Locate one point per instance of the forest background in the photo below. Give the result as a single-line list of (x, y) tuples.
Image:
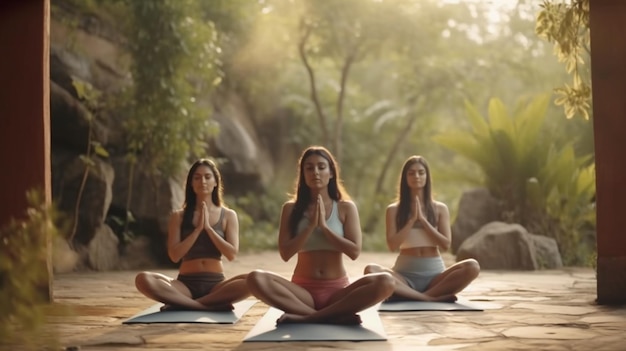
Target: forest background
[(470, 85)]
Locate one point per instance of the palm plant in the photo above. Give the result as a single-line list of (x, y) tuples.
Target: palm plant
[(544, 187), (566, 208), (509, 150)]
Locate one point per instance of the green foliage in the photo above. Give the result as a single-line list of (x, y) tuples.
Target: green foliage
[(567, 211), (390, 69), (24, 251), (375, 242), (258, 220), (509, 150), (126, 235), (87, 94), (256, 235), (542, 186), (175, 62), (567, 26)]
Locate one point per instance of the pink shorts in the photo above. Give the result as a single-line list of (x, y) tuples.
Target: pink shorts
[(321, 289)]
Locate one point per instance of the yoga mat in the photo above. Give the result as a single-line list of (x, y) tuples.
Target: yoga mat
[(154, 315), (266, 329), (391, 306)]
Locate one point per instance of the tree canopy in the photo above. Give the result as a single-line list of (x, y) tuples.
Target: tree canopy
[(374, 81)]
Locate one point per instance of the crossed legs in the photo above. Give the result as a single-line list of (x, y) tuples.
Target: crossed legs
[(174, 294), (443, 287), (299, 305)]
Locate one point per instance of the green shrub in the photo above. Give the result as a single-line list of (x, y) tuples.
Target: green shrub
[(258, 214), (541, 185), (24, 253)]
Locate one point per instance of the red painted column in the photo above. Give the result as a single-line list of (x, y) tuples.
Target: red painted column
[(608, 65), (24, 109)]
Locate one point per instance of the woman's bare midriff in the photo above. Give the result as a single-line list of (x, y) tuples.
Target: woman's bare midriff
[(201, 265), (323, 264), (421, 251)]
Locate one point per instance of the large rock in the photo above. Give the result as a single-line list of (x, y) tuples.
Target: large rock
[(103, 250), (93, 199), (250, 167), (92, 50), (499, 245), (547, 252), (64, 259), (476, 208), (137, 255), (71, 123), (152, 197)]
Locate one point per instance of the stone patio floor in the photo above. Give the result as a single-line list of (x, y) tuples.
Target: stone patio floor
[(536, 310)]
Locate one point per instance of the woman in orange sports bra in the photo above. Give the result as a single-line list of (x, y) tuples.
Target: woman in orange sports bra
[(199, 234), (319, 224), (418, 226)]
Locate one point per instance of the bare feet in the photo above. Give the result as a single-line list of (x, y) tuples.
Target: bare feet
[(215, 308), (353, 319), (222, 307), (167, 307), (424, 297), (287, 318), (445, 298)]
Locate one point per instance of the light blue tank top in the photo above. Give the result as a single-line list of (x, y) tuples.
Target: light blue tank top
[(317, 240)]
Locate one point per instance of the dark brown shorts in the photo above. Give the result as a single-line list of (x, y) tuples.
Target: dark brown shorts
[(200, 284)]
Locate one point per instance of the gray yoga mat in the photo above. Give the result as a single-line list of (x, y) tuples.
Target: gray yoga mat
[(266, 329), (427, 306), (153, 314)]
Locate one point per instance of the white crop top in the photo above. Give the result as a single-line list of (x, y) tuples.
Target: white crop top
[(317, 240), (417, 237)]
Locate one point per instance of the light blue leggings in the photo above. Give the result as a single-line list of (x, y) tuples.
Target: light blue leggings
[(419, 271)]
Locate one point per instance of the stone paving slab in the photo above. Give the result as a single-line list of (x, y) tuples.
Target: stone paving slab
[(523, 310)]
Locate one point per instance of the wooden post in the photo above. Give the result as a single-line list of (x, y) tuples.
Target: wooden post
[(25, 110), (608, 67)]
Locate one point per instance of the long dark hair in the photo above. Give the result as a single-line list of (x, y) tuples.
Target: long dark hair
[(404, 194), (302, 196), (190, 196)]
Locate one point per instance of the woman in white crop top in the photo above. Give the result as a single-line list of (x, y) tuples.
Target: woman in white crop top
[(419, 226), (319, 224)]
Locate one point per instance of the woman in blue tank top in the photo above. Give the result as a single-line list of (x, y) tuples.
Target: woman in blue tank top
[(319, 224), (199, 234), (418, 226)]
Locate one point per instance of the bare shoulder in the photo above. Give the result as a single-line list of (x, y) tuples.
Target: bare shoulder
[(288, 206), (392, 208), (440, 207), (347, 208), (229, 213), (346, 205), (176, 216)]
